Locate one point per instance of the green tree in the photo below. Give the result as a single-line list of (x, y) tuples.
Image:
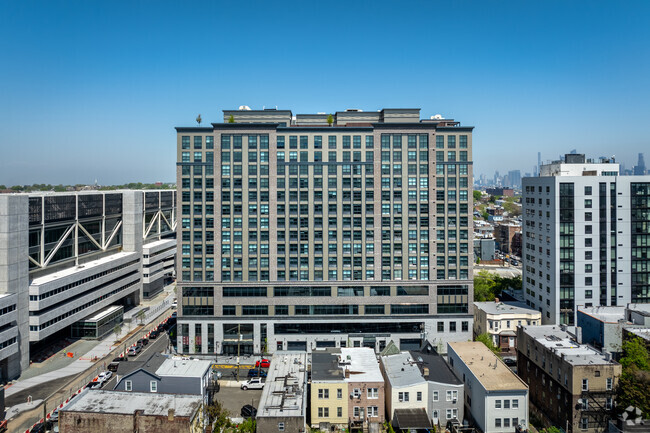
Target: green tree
[(512, 208), (330, 119), (217, 416), (634, 383), (487, 340), (231, 119), (484, 285), (248, 426), (551, 429), (140, 316), (117, 329), (477, 195), (485, 215)]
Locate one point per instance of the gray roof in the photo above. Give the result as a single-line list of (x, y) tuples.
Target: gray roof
[(184, 367), (561, 342), (401, 371), (505, 308), (150, 365), (125, 403), (412, 419), (325, 366), (608, 314), (439, 370), (285, 390)]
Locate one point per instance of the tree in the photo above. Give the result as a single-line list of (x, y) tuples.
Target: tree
[(231, 119), (634, 383), (217, 416), (551, 429), (140, 316), (487, 340), (484, 284), (477, 195), (330, 119), (512, 208), (117, 329)]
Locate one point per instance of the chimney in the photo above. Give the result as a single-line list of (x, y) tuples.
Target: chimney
[(347, 373), (170, 415), (578, 335), (425, 372)]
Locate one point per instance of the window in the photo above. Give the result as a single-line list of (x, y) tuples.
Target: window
[(153, 386), (339, 393), (280, 426), (323, 393), (585, 384), (374, 393), (452, 395), (435, 395), (609, 384), (584, 423), (339, 412), (452, 413), (435, 414), (419, 396), (323, 412), (497, 422), (497, 404), (506, 404), (128, 385), (403, 396), (515, 404), (506, 422)]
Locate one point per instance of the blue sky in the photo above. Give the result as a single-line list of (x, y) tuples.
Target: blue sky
[(92, 90)]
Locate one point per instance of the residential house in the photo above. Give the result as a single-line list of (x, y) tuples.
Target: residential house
[(500, 320), (495, 398)]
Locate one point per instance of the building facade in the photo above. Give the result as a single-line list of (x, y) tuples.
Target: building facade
[(66, 256), (495, 397), (572, 385), (585, 238), (291, 229), (500, 321)]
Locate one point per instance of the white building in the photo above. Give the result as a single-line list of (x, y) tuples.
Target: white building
[(500, 320), (494, 396), (585, 238), (67, 256)]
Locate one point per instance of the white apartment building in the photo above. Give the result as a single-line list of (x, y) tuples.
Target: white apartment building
[(496, 398), (586, 238)]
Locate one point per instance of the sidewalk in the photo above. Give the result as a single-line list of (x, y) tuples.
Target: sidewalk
[(102, 348)]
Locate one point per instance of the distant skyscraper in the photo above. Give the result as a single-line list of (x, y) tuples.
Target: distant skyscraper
[(639, 169), (539, 163)]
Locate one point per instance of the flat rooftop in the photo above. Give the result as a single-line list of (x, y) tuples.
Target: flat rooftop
[(161, 242), (401, 371), (325, 367), (84, 268), (490, 371), (103, 313), (605, 314), (640, 332), (184, 367), (506, 308), (363, 365), (285, 390), (562, 342), (125, 403)]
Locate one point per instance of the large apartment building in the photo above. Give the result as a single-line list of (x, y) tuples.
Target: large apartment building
[(586, 238), (572, 385), (295, 228), (66, 256)]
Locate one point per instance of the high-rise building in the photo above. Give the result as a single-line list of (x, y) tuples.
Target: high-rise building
[(639, 168), (352, 229), (67, 256), (585, 232)]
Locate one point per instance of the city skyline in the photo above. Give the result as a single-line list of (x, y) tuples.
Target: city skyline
[(87, 84)]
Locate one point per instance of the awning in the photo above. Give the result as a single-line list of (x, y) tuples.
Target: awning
[(412, 419)]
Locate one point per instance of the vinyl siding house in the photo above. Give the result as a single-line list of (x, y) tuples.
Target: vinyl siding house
[(171, 376)]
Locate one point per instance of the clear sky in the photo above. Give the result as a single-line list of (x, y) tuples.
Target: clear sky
[(93, 90)]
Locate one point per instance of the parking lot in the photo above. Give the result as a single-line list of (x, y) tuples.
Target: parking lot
[(233, 399)]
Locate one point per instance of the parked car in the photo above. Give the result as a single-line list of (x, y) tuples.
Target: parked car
[(255, 372), (248, 411), (510, 362), (121, 358), (113, 366), (54, 417), (95, 384), (154, 334), (143, 342), (104, 376), (254, 383), (42, 427), (265, 363), (134, 350)]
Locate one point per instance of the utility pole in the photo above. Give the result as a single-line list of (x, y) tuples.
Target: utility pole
[(238, 346)]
